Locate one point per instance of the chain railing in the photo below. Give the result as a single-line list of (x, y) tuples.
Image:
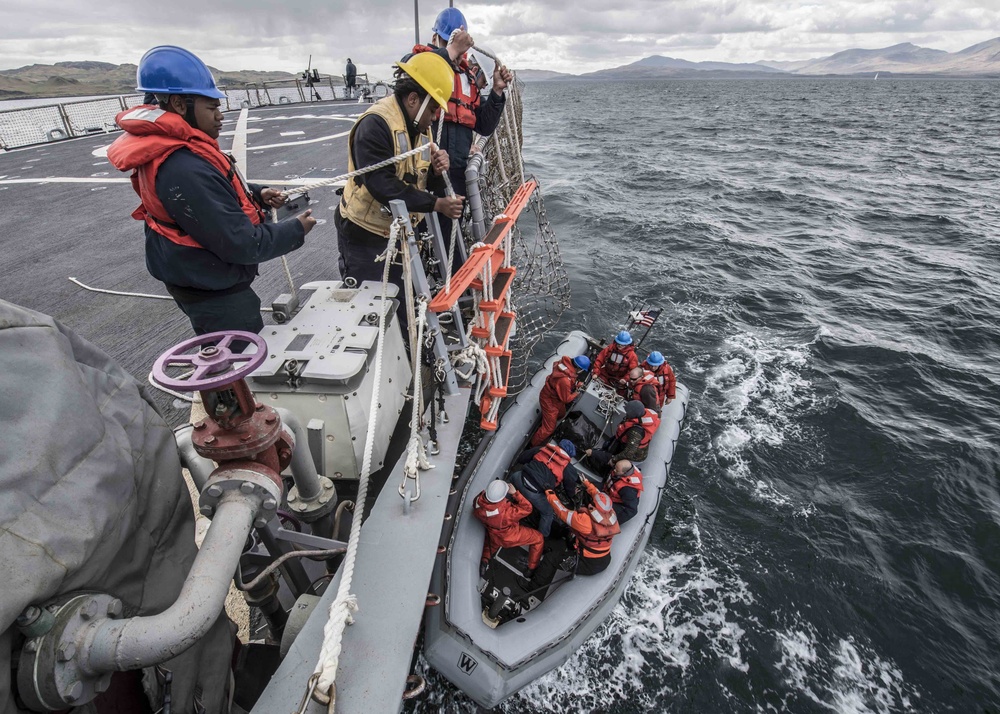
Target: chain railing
[(56, 122)]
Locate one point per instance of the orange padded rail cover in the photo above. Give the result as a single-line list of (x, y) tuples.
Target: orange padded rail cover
[(461, 280)]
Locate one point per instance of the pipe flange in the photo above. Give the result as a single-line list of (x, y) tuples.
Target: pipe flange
[(49, 675), (248, 478), (247, 439), (313, 510)]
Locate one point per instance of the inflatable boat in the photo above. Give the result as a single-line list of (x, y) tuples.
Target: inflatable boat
[(490, 636)]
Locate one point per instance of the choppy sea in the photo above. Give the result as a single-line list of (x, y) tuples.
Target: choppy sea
[(827, 252)]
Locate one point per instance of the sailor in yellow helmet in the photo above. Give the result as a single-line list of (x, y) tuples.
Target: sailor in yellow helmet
[(393, 126)]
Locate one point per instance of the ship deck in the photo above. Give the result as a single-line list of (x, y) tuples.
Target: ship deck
[(65, 212)]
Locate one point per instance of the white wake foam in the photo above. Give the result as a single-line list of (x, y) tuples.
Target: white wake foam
[(841, 675)]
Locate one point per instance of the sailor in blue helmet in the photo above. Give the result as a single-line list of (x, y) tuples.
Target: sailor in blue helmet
[(665, 378), (467, 111), (560, 389), (204, 225), (616, 360)]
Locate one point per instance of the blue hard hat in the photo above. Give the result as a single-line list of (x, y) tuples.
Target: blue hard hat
[(623, 338), (449, 20), (655, 359), (567, 446), (582, 362), (173, 70)]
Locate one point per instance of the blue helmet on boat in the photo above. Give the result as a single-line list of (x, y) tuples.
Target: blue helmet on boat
[(655, 359), (174, 70), (568, 446), (624, 337), (582, 362), (449, 20)]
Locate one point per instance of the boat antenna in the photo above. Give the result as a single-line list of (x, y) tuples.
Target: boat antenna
[(416, 21)]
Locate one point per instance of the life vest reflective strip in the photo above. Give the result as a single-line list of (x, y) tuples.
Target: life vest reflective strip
[(650, 422), (171, 133), (646, 378), (465, 97), (358, 205), (633, 480), (555, 459), (604, 527)]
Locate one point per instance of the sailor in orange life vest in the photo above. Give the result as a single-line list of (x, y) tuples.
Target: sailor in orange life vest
[(631, 440), (624, 486), (665, 379), (615, 361), (594, 526), (642, 385), (205, 229), (500, 508), (468, 111), (545, 467), (560, 389), (392, 126)]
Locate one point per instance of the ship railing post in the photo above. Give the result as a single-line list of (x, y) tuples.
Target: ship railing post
[(441, 251), (421, 287)]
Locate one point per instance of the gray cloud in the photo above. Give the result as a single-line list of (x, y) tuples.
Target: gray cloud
[(567, 35)]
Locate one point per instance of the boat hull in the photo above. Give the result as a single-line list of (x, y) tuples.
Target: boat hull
[(491, 664)]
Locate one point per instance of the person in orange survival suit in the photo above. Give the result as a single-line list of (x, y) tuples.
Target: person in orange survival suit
[(558, 392), (615, 361), (594, 526), (500, 509), (664, 375)]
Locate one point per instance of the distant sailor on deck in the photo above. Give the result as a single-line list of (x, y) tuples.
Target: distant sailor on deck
[(350, 78), (392, 126), (205, 229)]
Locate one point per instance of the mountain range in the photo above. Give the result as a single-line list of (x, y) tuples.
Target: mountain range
[(980, 60), (76, 79), (66, 79)]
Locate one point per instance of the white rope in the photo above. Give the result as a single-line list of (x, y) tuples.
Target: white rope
[(118, 292), (475, 356), (450, 192), (185, 397), (416, 452), (357, 172), (284, 261), (345, 604)]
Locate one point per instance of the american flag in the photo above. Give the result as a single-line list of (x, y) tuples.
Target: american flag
[(644, 318)]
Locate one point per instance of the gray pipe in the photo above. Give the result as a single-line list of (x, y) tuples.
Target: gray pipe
[(119, 645), (304, 471), (472, 171), (200, 467)]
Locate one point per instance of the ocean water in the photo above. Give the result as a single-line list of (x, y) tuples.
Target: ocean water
[(828, 255)]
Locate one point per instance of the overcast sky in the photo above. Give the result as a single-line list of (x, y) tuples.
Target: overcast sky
[(564, 35)]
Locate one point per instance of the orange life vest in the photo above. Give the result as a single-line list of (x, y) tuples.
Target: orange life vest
[(554, 459), (633, 480), (646, 378), (465, 97), (650, 422), (604, 527), (151, 136)]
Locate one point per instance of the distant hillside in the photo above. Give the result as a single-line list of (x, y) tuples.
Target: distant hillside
[(74, 79), (540, 75), (906, 58), (659, 67)]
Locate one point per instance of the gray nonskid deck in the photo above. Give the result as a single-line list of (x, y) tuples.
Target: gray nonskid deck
[(396, 557), (54, 230)]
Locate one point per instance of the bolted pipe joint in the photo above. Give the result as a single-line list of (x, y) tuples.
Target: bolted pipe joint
[(72, 663), (249, 478)]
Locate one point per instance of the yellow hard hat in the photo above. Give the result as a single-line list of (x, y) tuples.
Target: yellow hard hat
[(433, 73)]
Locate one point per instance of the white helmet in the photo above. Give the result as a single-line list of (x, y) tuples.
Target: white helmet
[(496, 491)]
